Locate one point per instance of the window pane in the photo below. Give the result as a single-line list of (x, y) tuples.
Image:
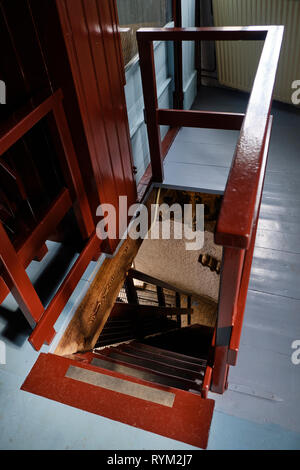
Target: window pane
[(135, 14)]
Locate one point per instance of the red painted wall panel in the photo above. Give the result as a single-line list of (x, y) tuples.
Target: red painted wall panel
[(92, 41)]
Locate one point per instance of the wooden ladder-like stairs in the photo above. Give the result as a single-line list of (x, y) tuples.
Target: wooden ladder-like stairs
[(145, 370), (154, 365)]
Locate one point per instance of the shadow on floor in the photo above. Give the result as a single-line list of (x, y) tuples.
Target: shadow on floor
[(49, 279)]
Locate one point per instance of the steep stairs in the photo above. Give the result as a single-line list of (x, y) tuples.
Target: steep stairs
[(153, 365)]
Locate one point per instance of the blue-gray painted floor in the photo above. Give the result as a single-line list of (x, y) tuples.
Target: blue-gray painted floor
[(265, 385), (261, 408)]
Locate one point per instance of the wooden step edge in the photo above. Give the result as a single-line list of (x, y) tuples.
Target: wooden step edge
[(186, 383), (112, 338), (167, 352), (178, 362), (185, 373)]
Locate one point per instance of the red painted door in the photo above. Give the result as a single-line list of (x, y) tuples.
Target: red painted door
[(93, 44)]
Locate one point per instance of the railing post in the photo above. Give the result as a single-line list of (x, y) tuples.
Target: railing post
[(160, 296), (133, 299), (150, 99), (178, 95), (231, 272), (178, 305), (130, 290), (189, 305)]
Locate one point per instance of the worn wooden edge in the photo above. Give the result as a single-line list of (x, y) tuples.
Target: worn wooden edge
[(89, 319)]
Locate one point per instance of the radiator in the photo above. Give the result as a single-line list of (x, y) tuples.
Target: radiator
[(237, 61)]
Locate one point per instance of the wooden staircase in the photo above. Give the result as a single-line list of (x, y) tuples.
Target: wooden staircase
[(135, 316), (156, 358), (154, 365), (136, 395), (118, 330), (147, 341), (146, 370)]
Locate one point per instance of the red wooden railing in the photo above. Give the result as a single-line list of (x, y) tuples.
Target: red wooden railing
[(15, 259), (237, 222)]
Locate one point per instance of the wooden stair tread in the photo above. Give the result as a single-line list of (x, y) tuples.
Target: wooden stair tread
[(114, 332), (119, 354), (184, 357), (160, 357), (149, 375), (194, 341), (156, 408)]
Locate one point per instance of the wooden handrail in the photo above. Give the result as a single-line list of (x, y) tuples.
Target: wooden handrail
[(237, 321), (228, 33), (237, 215), (133, 273), (238, 209), (148, 310)]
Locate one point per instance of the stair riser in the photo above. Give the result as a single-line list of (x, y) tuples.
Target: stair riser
[(161, 367), (146, 374), (163, 358)]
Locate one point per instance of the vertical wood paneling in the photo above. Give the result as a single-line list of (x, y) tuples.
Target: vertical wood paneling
[(237, 62), (50, 37), (94, 57), (24, 71), (106, 83), (34, 64), (120, 104)]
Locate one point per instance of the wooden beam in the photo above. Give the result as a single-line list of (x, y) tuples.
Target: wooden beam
[(230, 33), (202, 119), (94, 310), (89, 319)]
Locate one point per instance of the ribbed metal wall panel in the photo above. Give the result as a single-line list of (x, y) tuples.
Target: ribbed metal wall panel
[(237, 61)]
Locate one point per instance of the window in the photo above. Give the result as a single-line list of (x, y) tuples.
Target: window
[(135, 14)]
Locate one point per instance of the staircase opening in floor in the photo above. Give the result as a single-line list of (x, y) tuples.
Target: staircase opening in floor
[(140, 347), (162, 324)]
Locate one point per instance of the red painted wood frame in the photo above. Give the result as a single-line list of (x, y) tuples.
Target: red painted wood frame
[(178, 95), (93, 45), (14, 261), (187, 420), (238, 218)]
